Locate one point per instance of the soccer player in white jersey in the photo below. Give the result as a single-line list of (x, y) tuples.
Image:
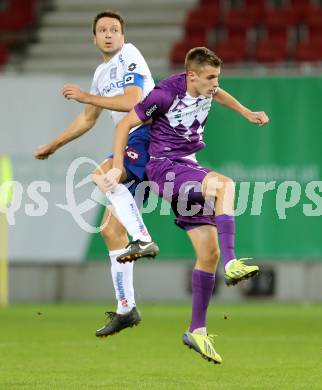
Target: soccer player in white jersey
[(119, 83), (179, 108)]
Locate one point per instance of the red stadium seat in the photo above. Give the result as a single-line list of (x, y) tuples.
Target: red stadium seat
[(214, 3), (277, 18), (310, 50), (3, 53), (313, 14), (238, 18), (299, 9), (18, 15), (270, 50), (180, 49), (201, 20), (255, 3), (198, 23), (232, 50), (313, 19), (15, 16)]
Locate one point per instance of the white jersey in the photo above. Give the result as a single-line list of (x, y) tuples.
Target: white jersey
[(126, 68)]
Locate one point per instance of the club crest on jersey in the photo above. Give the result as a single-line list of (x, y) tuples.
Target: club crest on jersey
[(132, 154), (113, 73), (132, 67)]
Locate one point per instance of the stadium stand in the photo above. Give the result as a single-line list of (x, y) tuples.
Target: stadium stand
[(247, 34), (254, 31), (17, 22), (64, 42)]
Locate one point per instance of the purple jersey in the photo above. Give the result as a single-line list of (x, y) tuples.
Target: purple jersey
[(178, 118)]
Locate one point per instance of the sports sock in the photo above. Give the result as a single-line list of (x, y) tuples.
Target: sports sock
[(128, 213), (203, 284), (122, 275), (226, 235), (202, 331)]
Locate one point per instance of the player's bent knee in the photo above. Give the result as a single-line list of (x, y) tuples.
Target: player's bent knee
[(216, 185)]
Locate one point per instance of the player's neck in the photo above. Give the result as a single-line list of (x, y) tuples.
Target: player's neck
[(191, 90), (108, 56)]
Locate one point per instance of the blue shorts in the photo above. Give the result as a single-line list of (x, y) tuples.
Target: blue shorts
[(136, 157)]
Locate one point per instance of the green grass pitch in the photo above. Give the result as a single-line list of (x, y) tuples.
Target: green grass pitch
[(264, 346)]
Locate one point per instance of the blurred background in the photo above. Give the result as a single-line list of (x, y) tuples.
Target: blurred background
[(272, 53)]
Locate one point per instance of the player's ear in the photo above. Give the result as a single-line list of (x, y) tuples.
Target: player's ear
[(94, 40), (191, 75)]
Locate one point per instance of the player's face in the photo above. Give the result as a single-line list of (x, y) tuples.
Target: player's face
[(109, 37), (205, 80)]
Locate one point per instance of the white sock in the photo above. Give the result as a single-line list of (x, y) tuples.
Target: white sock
[(122, 275), (229, 263), (128, 213), (202, 331)]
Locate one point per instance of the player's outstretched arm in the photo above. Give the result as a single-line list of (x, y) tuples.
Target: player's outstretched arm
[(80, 125), (122, 103), (224, 98), (121, 137)]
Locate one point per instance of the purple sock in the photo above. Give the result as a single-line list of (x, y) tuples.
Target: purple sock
[(226, 234), (202, 285)]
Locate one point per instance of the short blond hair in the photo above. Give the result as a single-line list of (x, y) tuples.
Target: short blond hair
[(199, 57)]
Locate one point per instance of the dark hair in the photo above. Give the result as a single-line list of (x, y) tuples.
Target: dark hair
[(201, 56), (108, 14)]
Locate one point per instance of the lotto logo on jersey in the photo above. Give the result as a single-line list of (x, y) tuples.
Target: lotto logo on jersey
[(132, 67), (129, 79), (132, 154)]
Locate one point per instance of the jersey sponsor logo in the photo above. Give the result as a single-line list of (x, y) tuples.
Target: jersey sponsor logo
[(129, 79), (113, 85), (132, 154), (132, 67), (113, 73), (151, 110)]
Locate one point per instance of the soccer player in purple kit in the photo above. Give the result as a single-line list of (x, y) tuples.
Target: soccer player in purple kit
[(178, 108)]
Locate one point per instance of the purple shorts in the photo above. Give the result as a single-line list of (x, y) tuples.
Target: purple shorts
[(179, 181)]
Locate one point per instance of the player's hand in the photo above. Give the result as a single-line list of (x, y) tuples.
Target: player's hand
[(43, 152), (107, 181), (71, 91), (258, 118)]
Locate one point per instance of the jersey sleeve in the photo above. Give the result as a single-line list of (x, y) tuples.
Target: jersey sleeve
[(135, 67), (155, 104), (133, 79)]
